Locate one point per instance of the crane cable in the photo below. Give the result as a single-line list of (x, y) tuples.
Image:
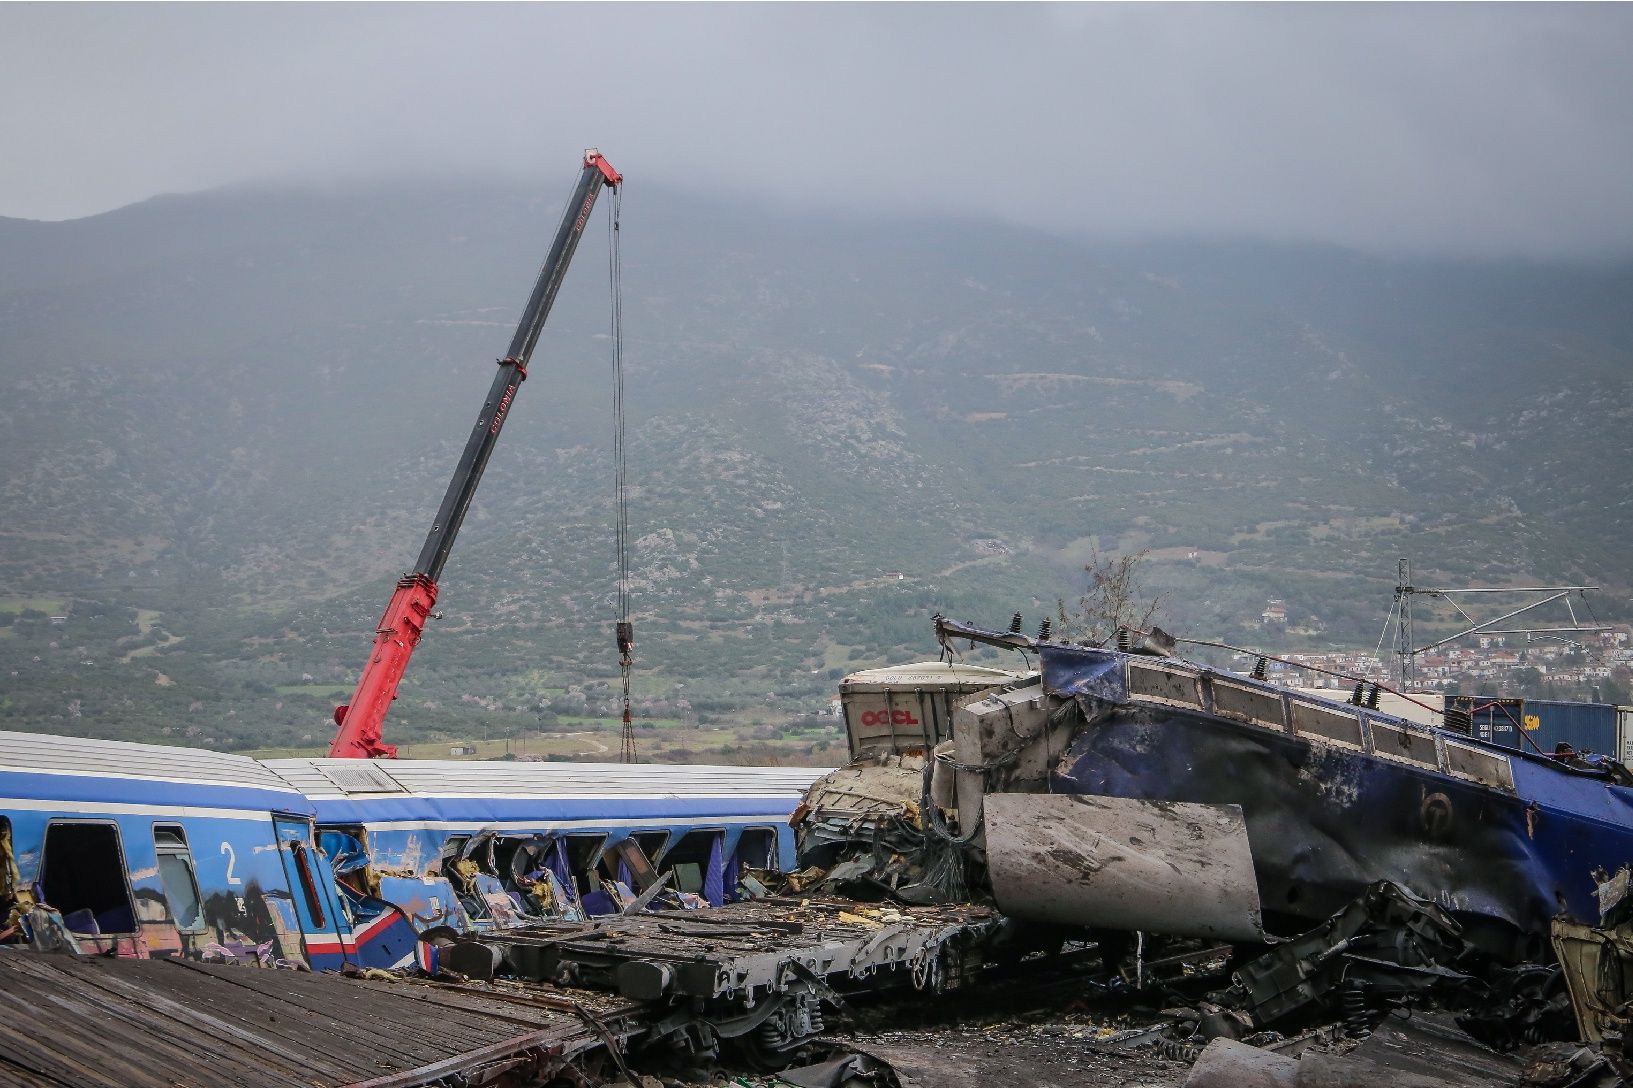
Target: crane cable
[(625, 630)]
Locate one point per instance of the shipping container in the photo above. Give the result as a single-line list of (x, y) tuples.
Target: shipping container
[(909, 707), (1539, 725), (1587, 727)]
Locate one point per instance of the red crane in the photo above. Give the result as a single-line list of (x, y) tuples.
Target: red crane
[(361, 721)]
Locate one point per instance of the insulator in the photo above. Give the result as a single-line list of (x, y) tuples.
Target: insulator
[(1015, 624), (1125, 640), (1356, 696), (1043, 630), (1372, 698), (1259, 668)]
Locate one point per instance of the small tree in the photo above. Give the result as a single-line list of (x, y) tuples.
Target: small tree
[(1116, 597)]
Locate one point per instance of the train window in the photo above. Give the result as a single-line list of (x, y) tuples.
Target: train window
[(504, 855), (651, 842), (82, 874), (177, 876), (452, 849), (689, 858), (583, 851), (688, 876), (626, 860), (333, 843), (757, 848), (309, 886)]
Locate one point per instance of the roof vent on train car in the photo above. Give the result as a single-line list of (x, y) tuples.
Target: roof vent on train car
[(360, 776)]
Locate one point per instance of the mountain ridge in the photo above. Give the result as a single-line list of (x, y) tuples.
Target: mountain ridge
[(240, 410)]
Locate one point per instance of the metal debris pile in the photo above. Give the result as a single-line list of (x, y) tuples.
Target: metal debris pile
[(1124, 869), (843, 992), (876, 829), (827, 993), (753, 979)]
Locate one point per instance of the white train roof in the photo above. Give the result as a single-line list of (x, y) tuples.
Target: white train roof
[(44, 753), (340, 778)]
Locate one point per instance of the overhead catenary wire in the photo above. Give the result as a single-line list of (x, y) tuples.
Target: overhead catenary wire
[(1309, 668), (1388, 619)]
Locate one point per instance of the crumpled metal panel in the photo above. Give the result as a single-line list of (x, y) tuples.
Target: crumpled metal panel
[(1226, 1063), (1077, 670), (1123, 863), (1389, 940), (1326, 820), (1598, 970)]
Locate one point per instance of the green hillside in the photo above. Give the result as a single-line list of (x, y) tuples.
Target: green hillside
[(228, 418)]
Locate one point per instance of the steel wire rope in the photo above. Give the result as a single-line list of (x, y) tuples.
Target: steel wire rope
[(1600, 653), (620, 471), (1388, 619)]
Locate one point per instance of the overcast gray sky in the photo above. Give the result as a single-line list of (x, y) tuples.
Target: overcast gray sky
[(1455, 129)]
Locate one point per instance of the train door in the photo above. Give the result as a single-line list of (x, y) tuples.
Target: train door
[(325, 931)]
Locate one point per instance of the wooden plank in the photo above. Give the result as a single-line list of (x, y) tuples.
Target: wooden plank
[(195, 1015), (208, 1025), (545, 1040), (113, 1041), (101, 1023), (362, 1029)]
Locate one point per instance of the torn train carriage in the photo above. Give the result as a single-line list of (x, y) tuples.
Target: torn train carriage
[(146, 850), (1203, 803), (481, 845)]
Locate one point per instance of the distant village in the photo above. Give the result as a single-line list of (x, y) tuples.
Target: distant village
[(1481, 663)]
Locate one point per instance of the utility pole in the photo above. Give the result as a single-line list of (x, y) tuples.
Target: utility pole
[(1403, 624), (1405, 590)]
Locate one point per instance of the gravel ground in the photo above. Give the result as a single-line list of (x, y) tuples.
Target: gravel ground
[(962, 1045), (1060, 1054)]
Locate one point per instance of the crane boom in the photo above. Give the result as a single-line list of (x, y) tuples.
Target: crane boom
[(361, 721)]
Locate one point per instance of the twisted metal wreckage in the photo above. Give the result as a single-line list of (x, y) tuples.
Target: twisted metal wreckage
[(1120, 802), (1106, 784), (1380, 861), (1353, 860)]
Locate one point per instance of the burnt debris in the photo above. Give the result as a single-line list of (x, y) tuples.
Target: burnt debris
[(1119, 865)]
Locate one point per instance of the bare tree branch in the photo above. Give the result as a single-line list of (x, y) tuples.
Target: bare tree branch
[(1115, 597)]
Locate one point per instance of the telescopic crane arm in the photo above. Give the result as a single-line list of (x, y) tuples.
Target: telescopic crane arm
[(362, 720)]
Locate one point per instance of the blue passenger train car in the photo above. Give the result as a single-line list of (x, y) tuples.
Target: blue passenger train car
[(477, 845), (146, 850)]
